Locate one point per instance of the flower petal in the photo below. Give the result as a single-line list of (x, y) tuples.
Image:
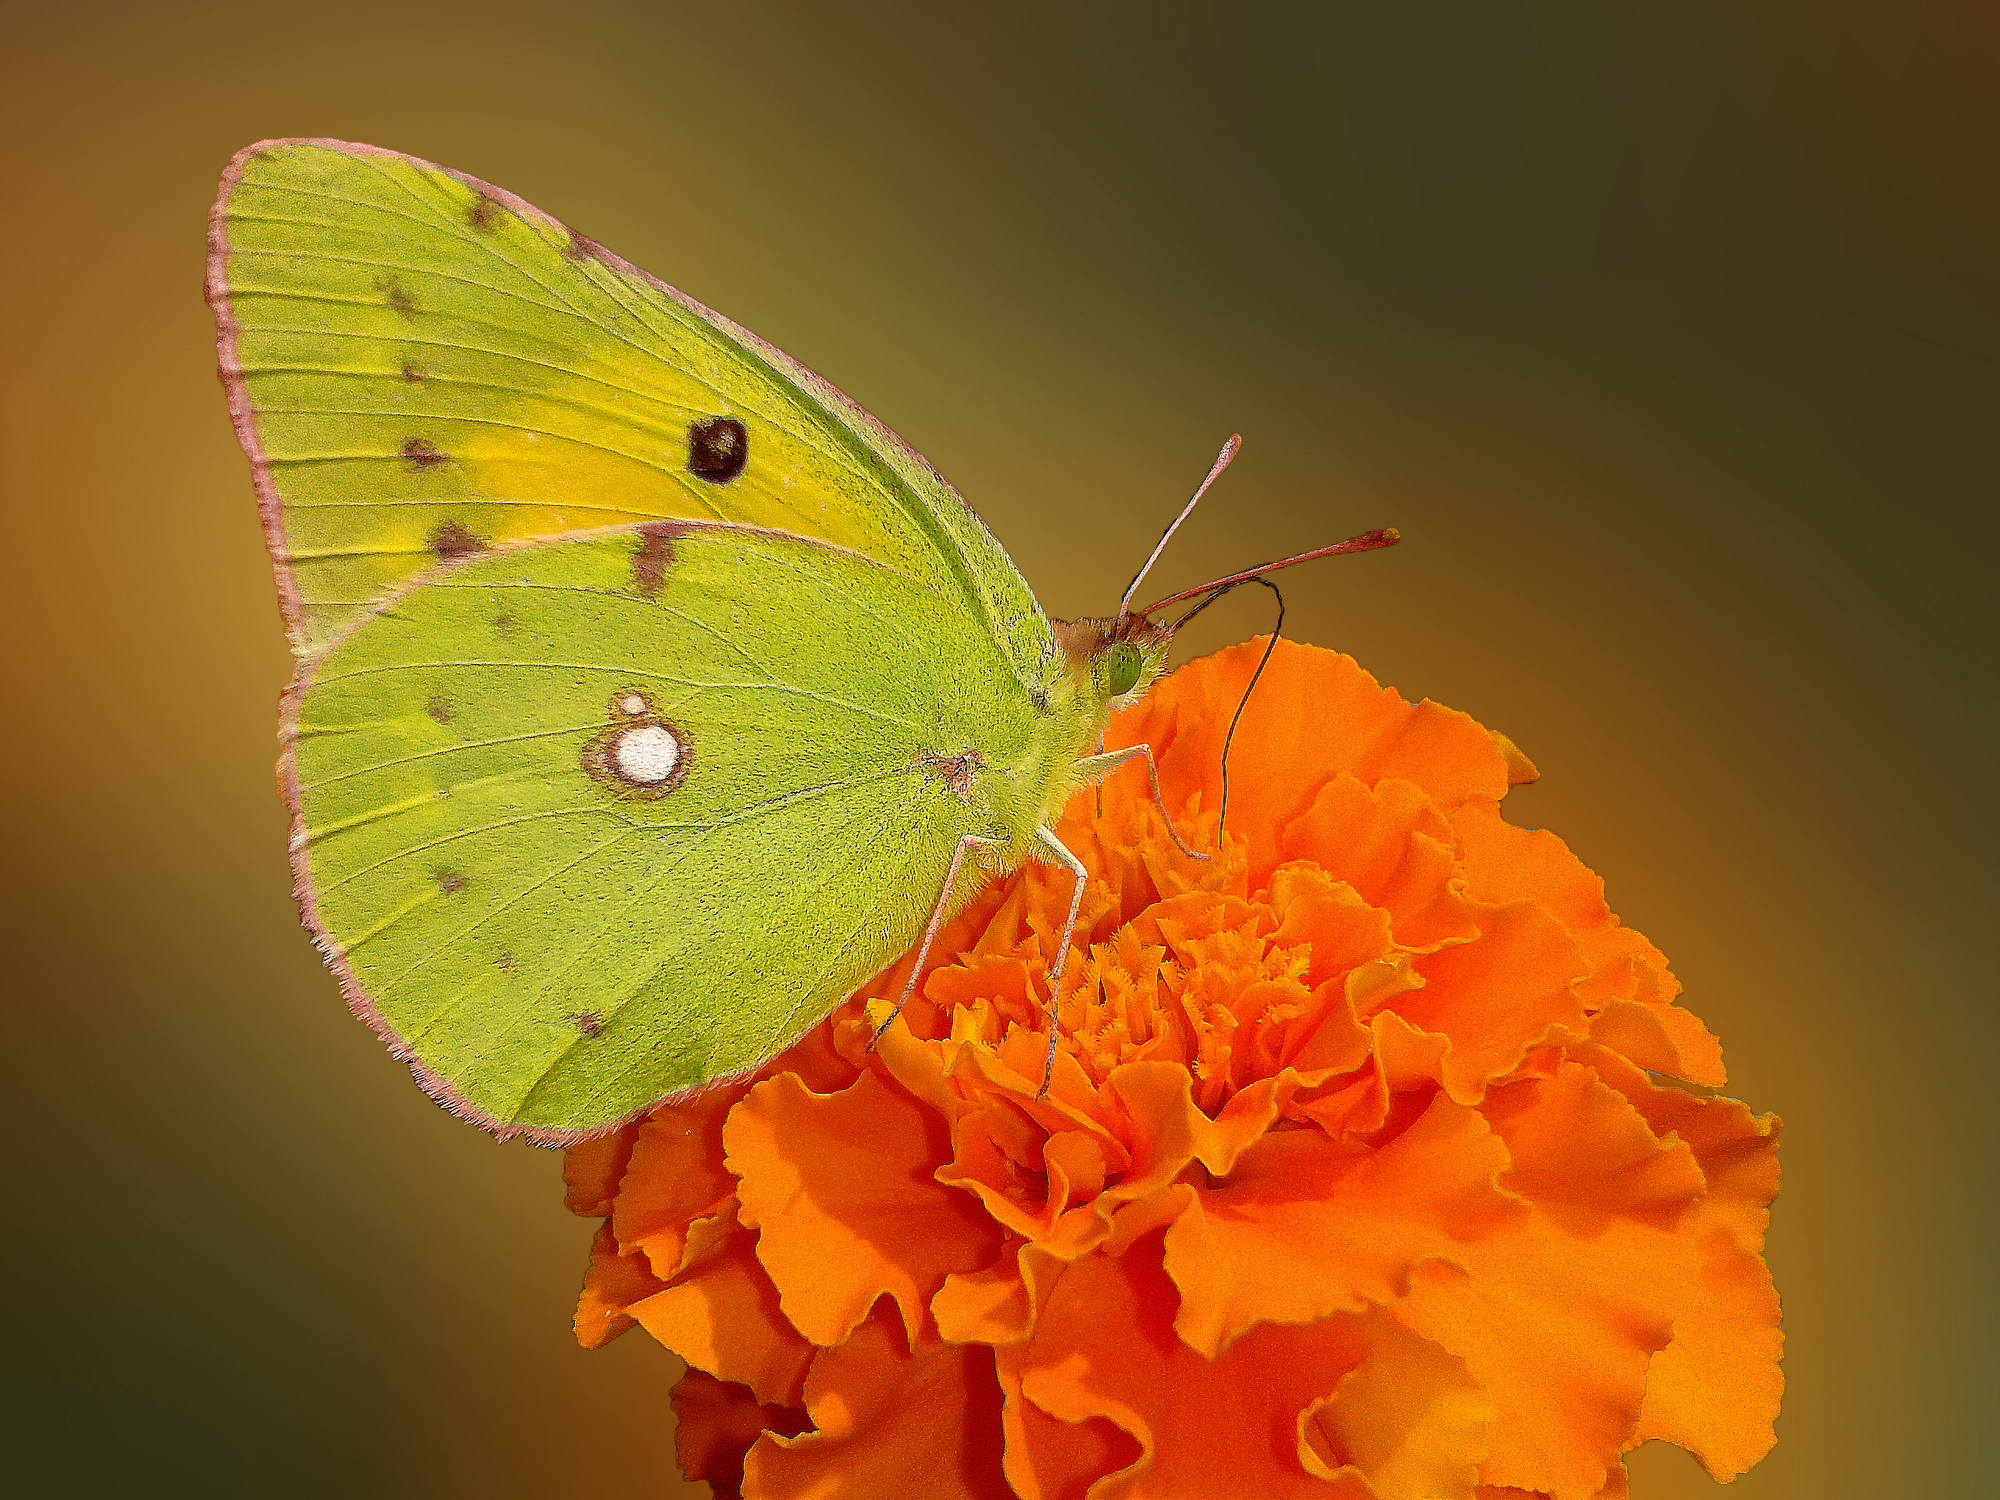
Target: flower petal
[(676, 1176), (1567, 1386), (1497, 997), (890, 1422), (1307, 1226), (716, 1421), (1582, 1154), (1104, 1349), (613, 1282), (1047, 1459), (1715, 1389), (592, 1171), (1410, 1419), (1394, 849), (724, 1318), (1506, 864), (841, 1189), (1314, 715)]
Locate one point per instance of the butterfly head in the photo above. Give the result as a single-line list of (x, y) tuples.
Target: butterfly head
[(1117, 657)]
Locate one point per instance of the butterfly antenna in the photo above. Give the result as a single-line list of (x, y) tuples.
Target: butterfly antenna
[(1221, 462), (1222, 817), (1368, 541)]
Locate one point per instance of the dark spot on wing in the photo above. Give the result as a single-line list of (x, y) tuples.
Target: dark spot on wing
[(504, 963), (450, 882), (411, 373), (718, 448), (398, 297), (452, 541), (654, 555), (440, 709), (421, 453), (589, 1022), (504, 626), (484, 215)]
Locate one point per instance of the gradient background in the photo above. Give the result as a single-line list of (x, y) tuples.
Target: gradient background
[(1665, 332)]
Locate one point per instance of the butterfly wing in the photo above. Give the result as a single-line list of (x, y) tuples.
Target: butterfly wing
[(586, 822), (422, 366)]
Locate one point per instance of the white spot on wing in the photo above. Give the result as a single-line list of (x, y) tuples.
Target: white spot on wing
[(646, 753)]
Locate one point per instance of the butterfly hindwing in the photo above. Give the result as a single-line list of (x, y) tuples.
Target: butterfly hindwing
[(586, 822), (423, 366)]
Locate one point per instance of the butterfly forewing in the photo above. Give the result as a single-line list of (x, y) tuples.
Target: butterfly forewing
[(423, 366)]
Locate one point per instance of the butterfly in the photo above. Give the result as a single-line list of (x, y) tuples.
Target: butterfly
[(650, 695)]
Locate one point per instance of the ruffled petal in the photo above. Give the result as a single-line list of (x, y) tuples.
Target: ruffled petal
[(1409, 1419), (1397, 852), (1496, 997), (675, 1167), (613, 1282), (1621, 971), (592, 1171), (841, 1189), (1566, 1383), (1050, 1459), (1104, 1350), (888, 1420), (1314, 715), (1307, 1226), (716, 1421), (1716, 1387), (725, 1319)]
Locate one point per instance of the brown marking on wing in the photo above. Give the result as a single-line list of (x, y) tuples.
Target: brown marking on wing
[(421, 454), (654, 555), (452, 540)]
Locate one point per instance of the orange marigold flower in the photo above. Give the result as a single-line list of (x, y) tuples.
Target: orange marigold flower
[(1360, 1174)]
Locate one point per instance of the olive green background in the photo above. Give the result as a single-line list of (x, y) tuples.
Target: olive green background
[(1663, 331)]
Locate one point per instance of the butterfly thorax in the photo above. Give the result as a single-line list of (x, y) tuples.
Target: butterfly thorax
[(1105, 664)]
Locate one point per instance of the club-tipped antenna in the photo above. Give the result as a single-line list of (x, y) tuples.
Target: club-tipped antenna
[(1221, 462), (1368, 541)]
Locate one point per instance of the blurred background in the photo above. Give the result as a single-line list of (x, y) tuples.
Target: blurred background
[(1665, 332)]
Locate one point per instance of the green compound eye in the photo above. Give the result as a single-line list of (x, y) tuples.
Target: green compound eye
[(1122, 665)]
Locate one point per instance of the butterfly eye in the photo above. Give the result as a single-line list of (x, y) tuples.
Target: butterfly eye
[(718, 448), (1123, 663)]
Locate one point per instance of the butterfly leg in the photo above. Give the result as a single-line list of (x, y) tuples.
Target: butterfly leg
[(1099, 765), (1075, 866), (931, 931)]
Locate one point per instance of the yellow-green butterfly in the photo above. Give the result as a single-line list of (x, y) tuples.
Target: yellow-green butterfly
[(650, 693)]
